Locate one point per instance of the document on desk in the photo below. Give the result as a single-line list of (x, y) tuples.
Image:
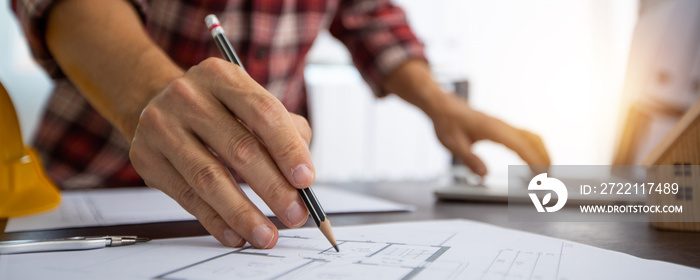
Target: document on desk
[(451, 249), (104, 207)]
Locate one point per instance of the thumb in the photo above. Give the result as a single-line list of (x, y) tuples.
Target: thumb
[(474, 163), (462, 149)]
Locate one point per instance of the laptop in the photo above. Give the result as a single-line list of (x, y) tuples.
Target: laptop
[(466, 188)]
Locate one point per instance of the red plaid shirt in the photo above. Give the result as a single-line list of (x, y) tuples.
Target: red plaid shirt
[(272, 37)]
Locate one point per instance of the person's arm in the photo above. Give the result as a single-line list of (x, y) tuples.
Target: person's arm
[(457, 125), (391, 59), (173, 118), (100, 45)]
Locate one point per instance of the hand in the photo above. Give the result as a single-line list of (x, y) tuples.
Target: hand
[(175, 121), (216, 107), (458, 126)]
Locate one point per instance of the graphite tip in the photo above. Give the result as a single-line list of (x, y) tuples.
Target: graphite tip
[(336, 248)]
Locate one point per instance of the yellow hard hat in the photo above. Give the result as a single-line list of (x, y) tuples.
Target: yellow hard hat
[(24, 187)]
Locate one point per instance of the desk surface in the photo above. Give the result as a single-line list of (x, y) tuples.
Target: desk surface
[(638, 239)]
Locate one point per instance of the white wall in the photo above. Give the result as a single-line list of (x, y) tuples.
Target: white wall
[(553, 67), (559, 66), (360, 138)]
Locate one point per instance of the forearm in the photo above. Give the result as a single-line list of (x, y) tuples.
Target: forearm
[(413, 82), (104, 50), (457, 125), (177, 121)]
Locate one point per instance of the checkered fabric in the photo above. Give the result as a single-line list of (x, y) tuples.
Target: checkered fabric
[(81, 149)]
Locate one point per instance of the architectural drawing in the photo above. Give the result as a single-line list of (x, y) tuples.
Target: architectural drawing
[(452, 249), (514, 264), (298, 257)]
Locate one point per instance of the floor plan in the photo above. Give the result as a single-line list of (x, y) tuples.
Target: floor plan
[(452, 249), (357, 260)]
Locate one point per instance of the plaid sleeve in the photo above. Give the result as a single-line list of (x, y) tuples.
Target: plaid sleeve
[(32, 14), (378, 37)]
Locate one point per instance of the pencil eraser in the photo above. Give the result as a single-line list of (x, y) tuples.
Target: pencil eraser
[(211, 20)]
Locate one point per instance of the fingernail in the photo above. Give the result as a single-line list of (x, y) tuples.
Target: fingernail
[(232, 238), (263, 236), (296, 214), (302, 175)]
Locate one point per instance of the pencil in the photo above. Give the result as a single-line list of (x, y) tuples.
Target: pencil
[(319, 216), (307, 195), (221, 41)]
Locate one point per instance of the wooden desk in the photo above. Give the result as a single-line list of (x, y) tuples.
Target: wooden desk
[(637, 239)]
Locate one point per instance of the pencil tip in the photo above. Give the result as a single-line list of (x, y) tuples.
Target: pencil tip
[(336, 248)]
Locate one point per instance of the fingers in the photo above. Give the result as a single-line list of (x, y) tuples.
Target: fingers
[(244, 152), (214, 109), (459, 125), (267, 117), (214, 124), (542, 165), (166, 179), (165, 130), (527, 145), (303, 127), (536, 142), (212, 182), (460, 145)]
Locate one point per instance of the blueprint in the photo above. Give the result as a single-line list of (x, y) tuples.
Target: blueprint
[(106, 207), (451, 249)]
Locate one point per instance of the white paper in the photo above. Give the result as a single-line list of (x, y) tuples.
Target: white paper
[(454, 249), (104, 207)]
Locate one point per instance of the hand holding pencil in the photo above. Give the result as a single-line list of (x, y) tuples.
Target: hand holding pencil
[(306, 194), (204, 111)]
